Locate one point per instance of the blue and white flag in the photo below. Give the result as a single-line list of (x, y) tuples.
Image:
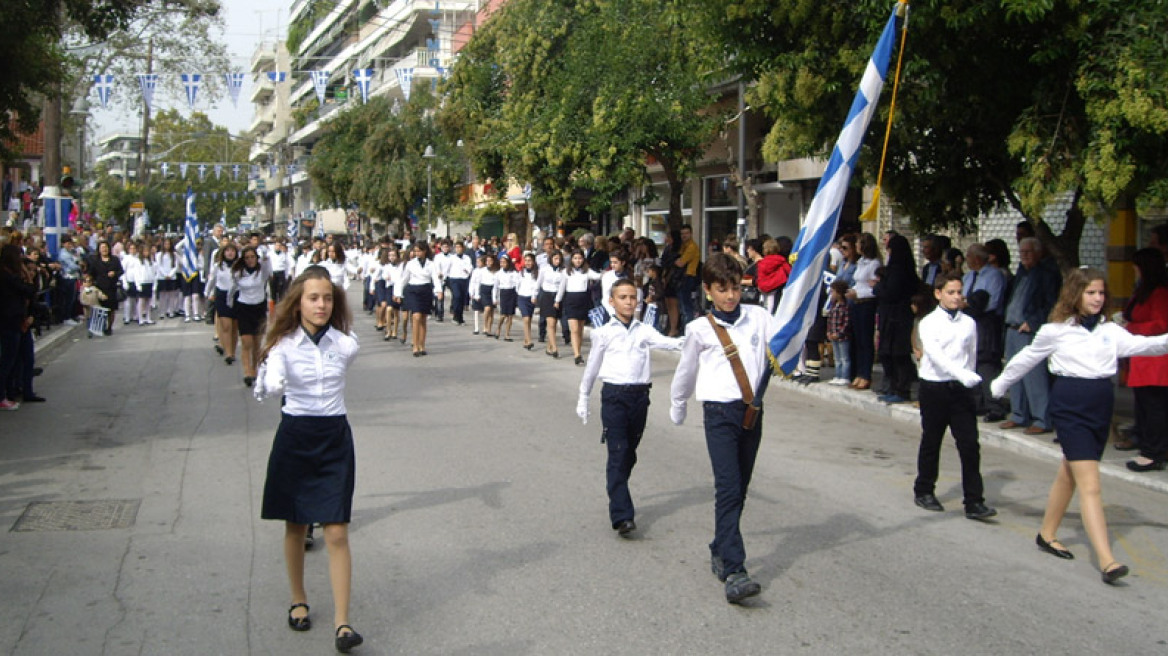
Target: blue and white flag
[(809, 256), (234, 84), (165, 168), (363, 76), (182, 170), (255, 170), (273, 170), (202, 172), (235, 169), (320, 84), (293, 229), (191, 85), (277, 76), (190, 264), (405, 78), (218, 171), (104, 85), (148, 82)]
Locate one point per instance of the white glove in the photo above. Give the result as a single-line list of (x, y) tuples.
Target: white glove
[(582, 409), (970, 379), (677, 414), (998, 389)]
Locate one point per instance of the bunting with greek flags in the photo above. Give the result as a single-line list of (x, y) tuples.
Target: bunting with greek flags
[(190, 83), (363, 77), (277, 76), (190, 264), (234, 84), (320, 84), (148, 81), (104, 85), (809, 255), (405, 78)]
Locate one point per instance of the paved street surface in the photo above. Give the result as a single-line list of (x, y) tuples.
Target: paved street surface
[(480, 522)]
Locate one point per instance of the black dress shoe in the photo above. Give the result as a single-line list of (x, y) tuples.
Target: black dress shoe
[(739, 586), (33, 398), (929, 502), (625, 527), (1155, 465), (993, 417), (1110, 576), (979, 511), (299, 623), (1049, 547), (349, 640)]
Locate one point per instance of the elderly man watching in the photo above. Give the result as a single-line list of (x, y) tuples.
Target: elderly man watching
[(1034, 293)]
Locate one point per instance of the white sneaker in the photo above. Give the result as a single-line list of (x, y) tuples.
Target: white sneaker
[(186, 319), (5, 404), (838, 382)]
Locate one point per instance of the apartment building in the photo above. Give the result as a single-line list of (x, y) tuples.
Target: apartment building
[(269, 155), (118, 154)]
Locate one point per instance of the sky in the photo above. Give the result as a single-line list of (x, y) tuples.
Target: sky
[(247, 23)]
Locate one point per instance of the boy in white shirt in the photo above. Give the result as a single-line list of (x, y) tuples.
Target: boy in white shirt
[(947, 393), (705, 370), (624, 400)]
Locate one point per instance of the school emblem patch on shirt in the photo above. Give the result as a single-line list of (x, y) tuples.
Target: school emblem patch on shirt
[(754, 340)]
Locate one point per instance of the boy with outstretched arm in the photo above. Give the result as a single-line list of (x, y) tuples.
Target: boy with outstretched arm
[(620, 356), (709, 370)]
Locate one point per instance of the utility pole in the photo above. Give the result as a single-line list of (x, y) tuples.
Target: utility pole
[(144, 147), (51, 117)]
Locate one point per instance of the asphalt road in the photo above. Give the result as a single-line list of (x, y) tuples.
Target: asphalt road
[(480, 523)]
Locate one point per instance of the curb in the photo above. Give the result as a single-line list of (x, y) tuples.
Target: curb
[(989, 435), (56, 340)]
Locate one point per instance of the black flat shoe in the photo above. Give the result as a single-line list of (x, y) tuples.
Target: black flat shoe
[(529, 346), (1049, 547), (1155, 465), (33, 398), (299, 623), (929, 502), (386, 338), (579, 360), (508, 339), (1110, 576), (979, 511), (219, 349), (349, 640), (625, 527), (229, 360), (248, 381)]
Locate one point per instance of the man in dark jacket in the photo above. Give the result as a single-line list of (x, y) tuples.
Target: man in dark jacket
[(1034, 293)]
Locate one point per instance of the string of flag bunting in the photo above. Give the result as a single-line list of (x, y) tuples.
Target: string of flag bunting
[(191, 82)]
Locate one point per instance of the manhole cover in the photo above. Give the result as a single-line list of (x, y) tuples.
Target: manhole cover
[(78, 515)]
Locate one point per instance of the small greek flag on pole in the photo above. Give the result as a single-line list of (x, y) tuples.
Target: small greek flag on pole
[(148, 82), (363, 76), (810, 252), (320, 84), (190, 265), (191, 85), (104, 85), (234, 84)]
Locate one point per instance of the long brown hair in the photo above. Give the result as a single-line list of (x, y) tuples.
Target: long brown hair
[(1075, 282), (286, 318)]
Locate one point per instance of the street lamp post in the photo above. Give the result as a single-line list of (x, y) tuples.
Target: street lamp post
[(81, 112), (428, 155)]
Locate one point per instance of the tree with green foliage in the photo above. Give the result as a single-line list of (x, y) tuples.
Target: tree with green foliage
[(578, 96), (1001, 103)]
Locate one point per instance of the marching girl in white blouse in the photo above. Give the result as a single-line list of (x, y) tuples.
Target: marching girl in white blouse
[(143, 276), (1083, 348), (391, 272), (312, 466), (166, 266), (334, 261), (484, 293), (371, 271), (506, 296), (551, 279), (250, 291), (218, 291), (527, 291), (574, 300), (130, 264), (476, 307), (419, 286)]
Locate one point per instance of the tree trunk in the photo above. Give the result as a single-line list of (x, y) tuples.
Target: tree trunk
[(51, 171), (1065, 246)]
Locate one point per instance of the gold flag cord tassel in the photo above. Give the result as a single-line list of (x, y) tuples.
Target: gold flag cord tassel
[(870, 213)]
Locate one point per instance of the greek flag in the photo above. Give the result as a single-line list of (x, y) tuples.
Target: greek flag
[(277, 76), (165, 169), (104, 85), (218, 171), (234, 84), (190, 264), (405, 78), (182, 170), (148, 82), (363, 76), (809, 255), (293, 229), (202, 172), (235, 168), (191, 84), (320, 84)]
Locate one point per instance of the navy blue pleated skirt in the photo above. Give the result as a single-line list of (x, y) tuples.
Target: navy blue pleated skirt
[(419, 299), (221, 308), (1080, 413), (311, 471), (576, 305)]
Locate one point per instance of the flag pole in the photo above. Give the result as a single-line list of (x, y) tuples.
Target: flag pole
[(874, 208)]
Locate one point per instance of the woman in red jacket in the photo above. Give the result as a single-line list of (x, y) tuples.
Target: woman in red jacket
[(1147, 314), (773, 270)]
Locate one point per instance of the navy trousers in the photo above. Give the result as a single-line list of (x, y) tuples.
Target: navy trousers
[(949, 405), (459, 288), (623, 411), (732, 452)]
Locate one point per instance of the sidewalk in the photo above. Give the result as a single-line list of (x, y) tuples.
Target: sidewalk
[(1039, 446)]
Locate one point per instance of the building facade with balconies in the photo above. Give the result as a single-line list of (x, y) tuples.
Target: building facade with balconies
[(268, 132), (118, 154)]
